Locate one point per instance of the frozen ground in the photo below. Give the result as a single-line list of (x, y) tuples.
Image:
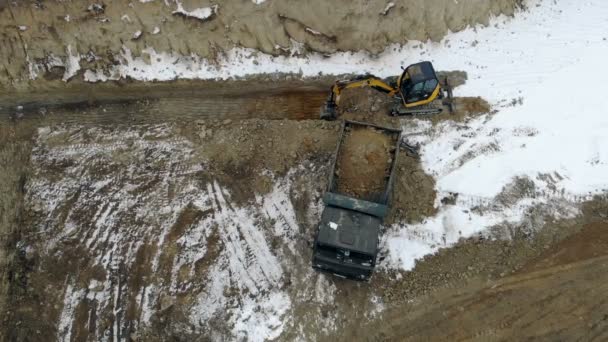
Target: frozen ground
[(198, 250), (552, 59), (543, 72), (140, 232), (544, 148), (98, 30)]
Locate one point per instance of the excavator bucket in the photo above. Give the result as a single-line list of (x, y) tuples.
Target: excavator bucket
[(448, 100), (328, 111)]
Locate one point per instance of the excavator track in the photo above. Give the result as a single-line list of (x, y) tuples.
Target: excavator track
[(422, 110), (430, 109)]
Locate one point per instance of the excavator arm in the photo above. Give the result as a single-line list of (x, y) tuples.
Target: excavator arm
[(329, 110)]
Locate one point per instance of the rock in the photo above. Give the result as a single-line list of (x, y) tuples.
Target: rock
[(227, 122)]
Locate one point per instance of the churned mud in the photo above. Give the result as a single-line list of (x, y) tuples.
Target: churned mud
[(146, 218)]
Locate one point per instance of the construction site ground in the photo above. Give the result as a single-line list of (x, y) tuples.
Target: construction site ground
[(239, 167)]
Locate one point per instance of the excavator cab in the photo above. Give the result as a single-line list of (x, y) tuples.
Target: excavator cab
[(418, 85)]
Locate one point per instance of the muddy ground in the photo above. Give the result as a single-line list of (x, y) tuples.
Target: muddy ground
[(48, 32), (175, 256)]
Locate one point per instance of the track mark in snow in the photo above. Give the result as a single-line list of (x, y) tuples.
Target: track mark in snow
[(127, 190)]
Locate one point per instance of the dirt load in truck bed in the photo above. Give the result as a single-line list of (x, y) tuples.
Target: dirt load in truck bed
[(364, 162)]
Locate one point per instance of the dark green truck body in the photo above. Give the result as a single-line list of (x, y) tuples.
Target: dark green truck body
[(347, 240)]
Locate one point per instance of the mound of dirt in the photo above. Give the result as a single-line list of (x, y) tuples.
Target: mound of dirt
[(369, 105), (364, 162), (50, 32)]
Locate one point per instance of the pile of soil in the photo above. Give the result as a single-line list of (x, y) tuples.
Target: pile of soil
[(364, 162)]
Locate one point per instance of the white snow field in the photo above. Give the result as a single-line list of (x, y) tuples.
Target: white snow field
[(544, 72)]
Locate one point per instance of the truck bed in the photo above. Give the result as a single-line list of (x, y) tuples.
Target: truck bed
[(364, 161)]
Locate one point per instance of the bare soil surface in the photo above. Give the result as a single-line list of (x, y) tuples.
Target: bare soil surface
[(48, 32), (364, 162), (558, 295)]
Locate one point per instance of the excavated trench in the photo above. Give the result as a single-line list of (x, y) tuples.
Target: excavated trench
[(168, 102)]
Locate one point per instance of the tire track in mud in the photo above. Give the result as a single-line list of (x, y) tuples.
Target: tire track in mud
[(252, 259), (238, 100)]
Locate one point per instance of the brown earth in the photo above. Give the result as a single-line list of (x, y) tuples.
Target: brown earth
[(241, 151), (15, 147), (364, 162), (539, 285), (558, 295), (33, 31)]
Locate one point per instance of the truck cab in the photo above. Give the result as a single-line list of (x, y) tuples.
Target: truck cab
[(347, 239), (347, 242)]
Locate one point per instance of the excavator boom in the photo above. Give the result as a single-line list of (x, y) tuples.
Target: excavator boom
[(329, 110)]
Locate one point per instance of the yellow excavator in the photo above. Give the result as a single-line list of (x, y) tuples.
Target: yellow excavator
[(415, 91)]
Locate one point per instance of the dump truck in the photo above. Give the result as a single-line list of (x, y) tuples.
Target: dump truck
[(357, 200)]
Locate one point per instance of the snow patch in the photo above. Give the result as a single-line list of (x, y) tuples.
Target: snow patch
[(313, 32), (72, 64), (71, 299), (261, 320), (387, 8), (202, 14)]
